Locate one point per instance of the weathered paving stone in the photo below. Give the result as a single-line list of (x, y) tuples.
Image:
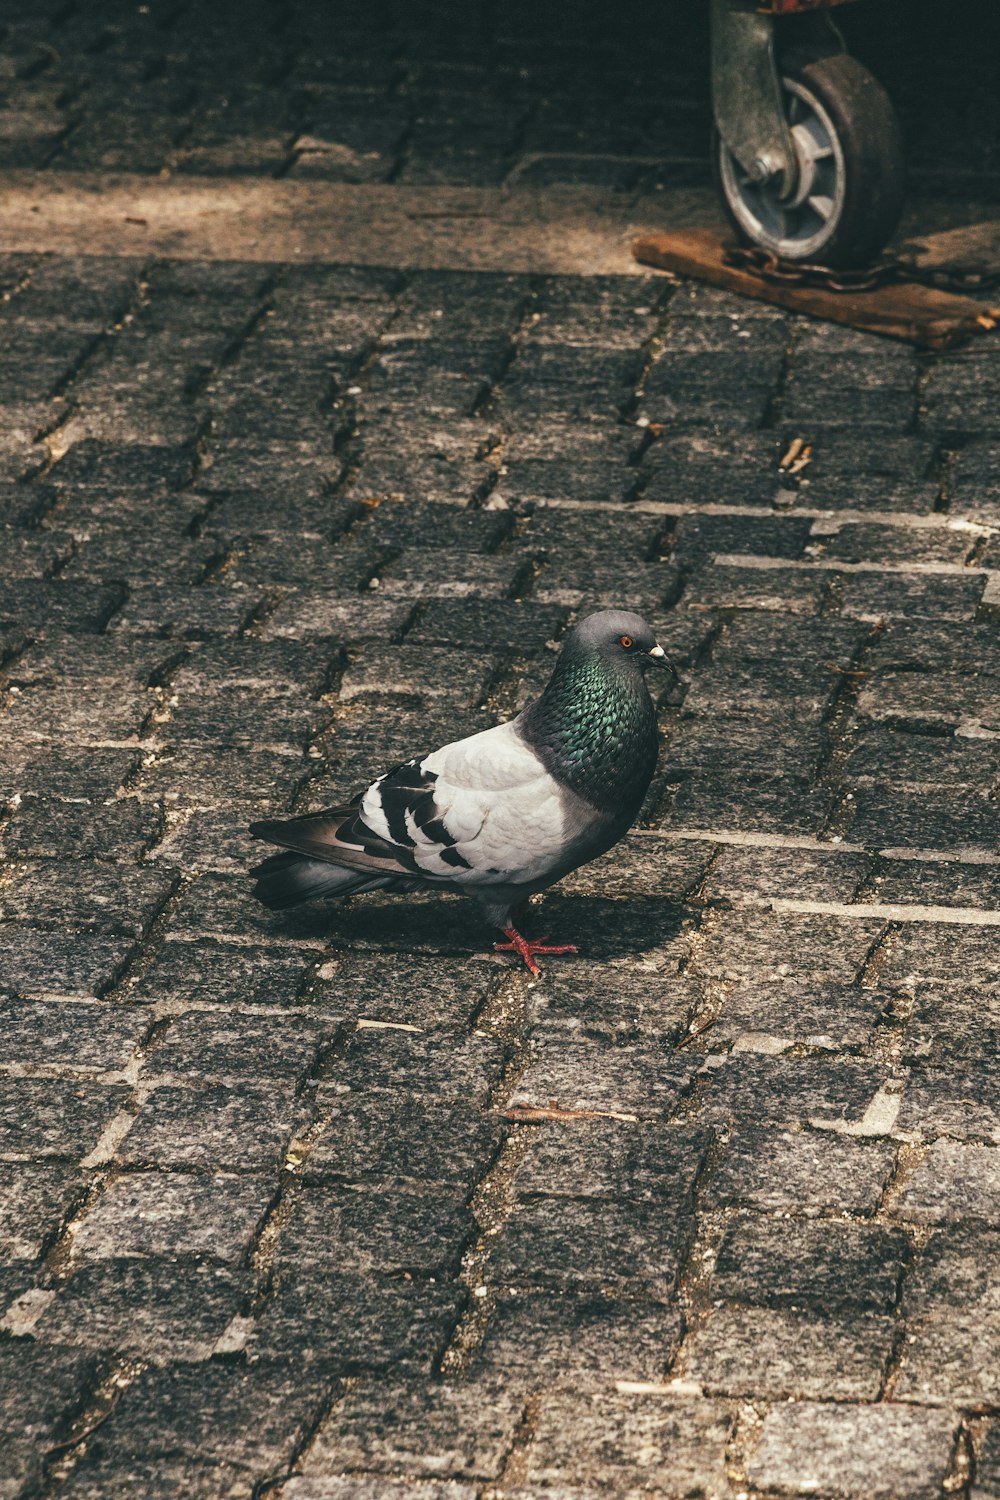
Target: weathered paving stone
[(986, 1485), (614, 1160), (568, 1243), (46, 828), (420, 1144), (645, 1080), (35, 1202), (334, 1228), (246, 1128), (614, 1003), (804, 1172), (781, 1263), (943, 952), (158, 1213), (243, 1420), (183, 973), (951, 1352), (356, 1322), (244, 719), (38, 962), (223, 907), (43, 1117), (58, 772), (50, 1035), (778, 1354), (361, 1487), (405, 989), (204, 776), (461, 1431), (607, 1441), (774, 1018), (421, 671), (888, 817), (643, 865), (952, 1026), (36, 604), (884, 1452), (185, 613), (940, 883), (786, 945), (803, 874), (80, 894), (212, 838), (953, 1182), (538, 1339), (789, 1091), (160, 1309), (218, 1047), (307, 614), (434, 1065), (962, 1103), (81, 715), (41, 1390)]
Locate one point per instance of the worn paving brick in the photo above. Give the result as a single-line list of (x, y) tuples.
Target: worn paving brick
[(578, 1339), (159, 1309), (247, 1128), (35, 1203), (565, 1243), (41, 1390), (802, 1171), (786, 944), (338, 1228), (788, 1091), (606, 1440), (962, 1103), (183, 973), (644, 1080), (357, 1322), (419, 1144), (613, 1160), (219, 1047), (953, 1182), (43, 827), (159, 1213), (435, 1065), (405, 989), (781, 1354), (445, 1430), (885, 1452), (614, 1003), (45, 1117), (113, 899), (778, 1263), (47, 1036)]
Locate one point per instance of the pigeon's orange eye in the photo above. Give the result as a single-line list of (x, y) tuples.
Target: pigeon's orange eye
[(625, 640)]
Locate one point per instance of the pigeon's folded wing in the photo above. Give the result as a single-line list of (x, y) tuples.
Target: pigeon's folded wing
[(480, 811)]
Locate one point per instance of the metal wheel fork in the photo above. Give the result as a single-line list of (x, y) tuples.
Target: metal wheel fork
[(747, 98)]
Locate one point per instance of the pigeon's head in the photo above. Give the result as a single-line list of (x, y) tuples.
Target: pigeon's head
[(621, 637)]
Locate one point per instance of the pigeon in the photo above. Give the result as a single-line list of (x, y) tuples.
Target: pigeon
[(503, 813)]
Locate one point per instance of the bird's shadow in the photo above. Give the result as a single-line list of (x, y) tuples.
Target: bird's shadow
[(600, 928)]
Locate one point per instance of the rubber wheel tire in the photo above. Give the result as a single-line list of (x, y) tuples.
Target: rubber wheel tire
[(873, 175)]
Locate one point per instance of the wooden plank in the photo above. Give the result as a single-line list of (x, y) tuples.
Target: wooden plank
[(903, 310)]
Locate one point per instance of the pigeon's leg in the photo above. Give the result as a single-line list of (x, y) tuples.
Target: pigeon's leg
[(528, 948)]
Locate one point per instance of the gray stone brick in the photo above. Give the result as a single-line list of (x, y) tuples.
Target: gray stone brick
[(58, 772), (741, 872), (202, 972), (951, 1358), (420, 671), (445, 1430), (245, 1128), (953, 1182), (35, 1203), (542, 1339), (883, 1452), (217, 1047), (334, 1228), (607, 1442), (330, 615), (418, 1144), (83, 894), (786, 945), (939, 883), (945, 952), (407, 989), (777, 1017), (358, 1323), (649, 864), (613, 1003), (159, 1213), (518, 626), (828, 1266), (43, 1117), (36, 604), (47, 1036), (360, 1487), (41, 1390), (245, 1420), (433, 1066), (158, 1309), (778, 1354), (566, 1243), (951, 1026), (245, 719), (184, 613), (790, 1091), (986, 1484), (645, 1080), (963, 1103), (802, 1172), (611, 1159), (44, 828)]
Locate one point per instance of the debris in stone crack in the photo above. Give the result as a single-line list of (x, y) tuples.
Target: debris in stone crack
[(501, 814)]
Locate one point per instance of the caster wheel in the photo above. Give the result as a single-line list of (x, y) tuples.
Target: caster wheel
[(850, 187)]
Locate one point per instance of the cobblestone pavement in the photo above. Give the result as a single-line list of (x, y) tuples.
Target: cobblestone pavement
[(340, 1206)]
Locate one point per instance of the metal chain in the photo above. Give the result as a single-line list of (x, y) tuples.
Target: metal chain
[(971, 281)]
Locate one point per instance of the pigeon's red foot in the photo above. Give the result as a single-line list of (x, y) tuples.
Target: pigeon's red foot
[(529, 947)]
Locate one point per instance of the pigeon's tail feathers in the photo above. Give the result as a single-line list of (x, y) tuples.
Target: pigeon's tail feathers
[(288, 878)]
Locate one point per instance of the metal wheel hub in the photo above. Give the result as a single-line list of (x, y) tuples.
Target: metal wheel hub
[(796, 227)]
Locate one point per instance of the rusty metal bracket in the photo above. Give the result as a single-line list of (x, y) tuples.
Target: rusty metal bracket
[(746, 94)]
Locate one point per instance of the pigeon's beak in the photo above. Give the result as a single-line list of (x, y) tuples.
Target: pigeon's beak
[(660, 659)]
